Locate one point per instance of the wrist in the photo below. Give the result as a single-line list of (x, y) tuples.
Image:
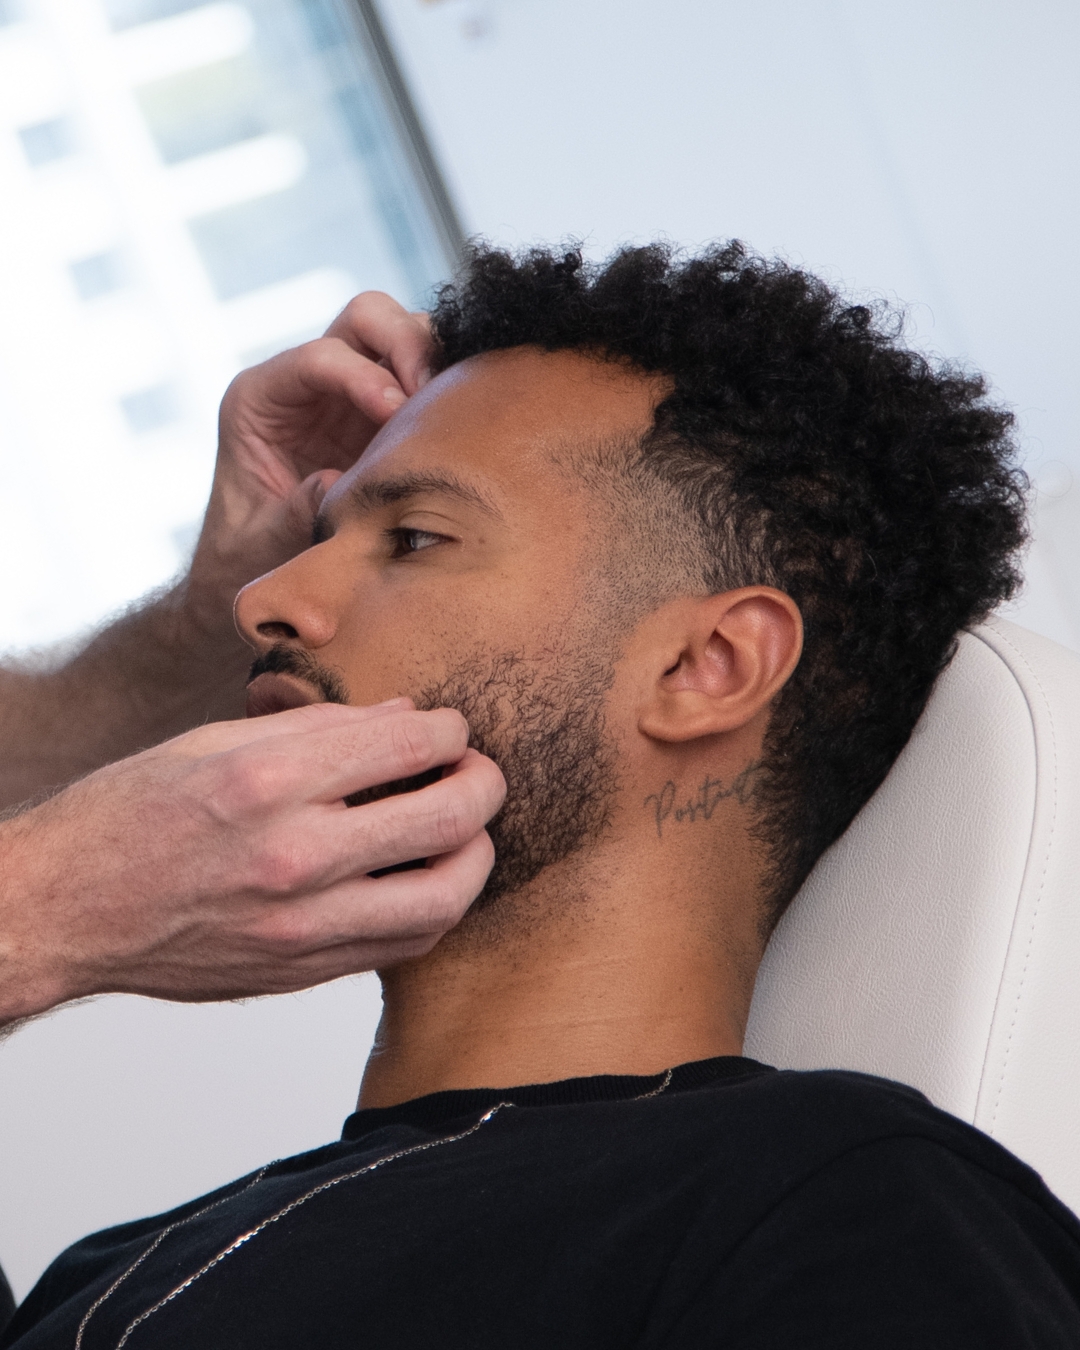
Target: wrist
[(201, 658), (195, 618), (243, 537), (34, 977)]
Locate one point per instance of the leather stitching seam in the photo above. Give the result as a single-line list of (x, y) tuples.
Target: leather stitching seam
[(1045, 868)]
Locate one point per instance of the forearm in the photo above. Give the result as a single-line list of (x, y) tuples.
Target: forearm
[(220, 865), (288, 427), (152, 674)]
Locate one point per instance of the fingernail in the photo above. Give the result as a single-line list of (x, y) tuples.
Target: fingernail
[(393, 396), (423, 377)]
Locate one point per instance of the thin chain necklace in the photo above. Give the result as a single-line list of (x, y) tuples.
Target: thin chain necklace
[(238, 1242)]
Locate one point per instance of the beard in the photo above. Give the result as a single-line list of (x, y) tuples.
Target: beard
[(542, 722), (543, 725)]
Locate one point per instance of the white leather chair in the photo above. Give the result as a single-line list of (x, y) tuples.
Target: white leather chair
[(938, 941)]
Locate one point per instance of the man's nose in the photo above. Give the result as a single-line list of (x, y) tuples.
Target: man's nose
[(284, 606)]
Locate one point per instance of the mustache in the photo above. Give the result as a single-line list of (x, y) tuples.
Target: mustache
[(285, 660)]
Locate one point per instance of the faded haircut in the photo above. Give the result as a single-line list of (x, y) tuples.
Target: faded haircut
[(808, 449)]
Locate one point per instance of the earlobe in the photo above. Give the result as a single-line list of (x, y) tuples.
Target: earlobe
[(735, 653)]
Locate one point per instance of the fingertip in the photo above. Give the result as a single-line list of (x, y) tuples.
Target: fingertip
[(315, 487), (486, 848), (461, 730), (394, 396), (476, 759)]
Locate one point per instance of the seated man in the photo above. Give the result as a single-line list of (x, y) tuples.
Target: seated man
[(687, 542)]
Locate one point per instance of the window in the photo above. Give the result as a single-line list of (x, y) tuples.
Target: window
[(47, 141), (98, 275), (189, 188)]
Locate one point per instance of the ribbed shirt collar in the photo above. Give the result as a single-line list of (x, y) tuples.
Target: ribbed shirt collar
[(440, 1107)]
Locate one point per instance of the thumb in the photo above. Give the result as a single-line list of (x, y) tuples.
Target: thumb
[(286, 524), (302, 505)]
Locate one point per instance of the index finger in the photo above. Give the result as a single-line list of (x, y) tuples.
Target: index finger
[(376, 326), (322, 764), (315, 718)]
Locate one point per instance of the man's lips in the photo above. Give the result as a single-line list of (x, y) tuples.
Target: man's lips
[(271, 693)]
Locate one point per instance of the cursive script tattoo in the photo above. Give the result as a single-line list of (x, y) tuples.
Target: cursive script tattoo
[(705, 801)]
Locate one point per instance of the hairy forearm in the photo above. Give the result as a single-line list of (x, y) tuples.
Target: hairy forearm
[(288, 427), (220, 865), (153, 673)]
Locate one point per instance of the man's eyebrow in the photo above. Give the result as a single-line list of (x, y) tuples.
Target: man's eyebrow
[(370, 494)]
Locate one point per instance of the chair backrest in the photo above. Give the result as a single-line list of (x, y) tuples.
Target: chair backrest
[(938, 941)]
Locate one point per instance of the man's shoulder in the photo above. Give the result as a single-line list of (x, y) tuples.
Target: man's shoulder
[(800, 1121), (839, 1105), (866, 1215), (846, 1100)]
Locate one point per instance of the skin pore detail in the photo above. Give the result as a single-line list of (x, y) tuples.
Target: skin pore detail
[(704, 800), (469, 561)]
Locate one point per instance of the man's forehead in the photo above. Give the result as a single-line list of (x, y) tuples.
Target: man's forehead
[(514, 413)]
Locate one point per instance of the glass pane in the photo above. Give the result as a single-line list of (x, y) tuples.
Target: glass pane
[(187, 188)]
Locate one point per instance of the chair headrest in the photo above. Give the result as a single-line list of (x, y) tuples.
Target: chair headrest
[(938, 941)]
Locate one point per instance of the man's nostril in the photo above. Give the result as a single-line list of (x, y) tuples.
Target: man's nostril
[(277, 630)]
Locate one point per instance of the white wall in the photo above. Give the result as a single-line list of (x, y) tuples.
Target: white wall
[(124, 1107), (925, 150)]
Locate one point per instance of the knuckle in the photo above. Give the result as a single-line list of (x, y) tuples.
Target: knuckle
[(412, 741), (357, 307), (361, 306), (247, 784), (452, 822), (280, 869), (316, 356)]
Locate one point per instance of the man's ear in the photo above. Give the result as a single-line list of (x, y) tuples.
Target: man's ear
[(726, 657)]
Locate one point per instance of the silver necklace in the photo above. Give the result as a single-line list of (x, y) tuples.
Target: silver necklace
[(238, 1242), (657, 1091)]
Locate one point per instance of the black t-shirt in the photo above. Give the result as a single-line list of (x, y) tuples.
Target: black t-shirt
[(7, 1301), (741, 1207)]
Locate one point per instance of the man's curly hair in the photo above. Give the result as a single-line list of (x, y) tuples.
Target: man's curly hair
[(811, 451)]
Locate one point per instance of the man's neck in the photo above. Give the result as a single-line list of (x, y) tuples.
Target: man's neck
[(574, 977)]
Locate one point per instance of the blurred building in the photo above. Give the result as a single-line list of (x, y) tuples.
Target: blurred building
[(186, 188)]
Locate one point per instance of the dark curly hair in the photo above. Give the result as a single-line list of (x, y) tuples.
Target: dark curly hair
[(811, 451)]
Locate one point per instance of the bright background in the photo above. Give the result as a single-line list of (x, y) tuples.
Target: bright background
[(186, 187)]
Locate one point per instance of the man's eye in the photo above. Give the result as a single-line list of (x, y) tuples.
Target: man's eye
[(412, 541)]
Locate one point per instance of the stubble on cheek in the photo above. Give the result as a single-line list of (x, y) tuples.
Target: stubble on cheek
[(542, 722)]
